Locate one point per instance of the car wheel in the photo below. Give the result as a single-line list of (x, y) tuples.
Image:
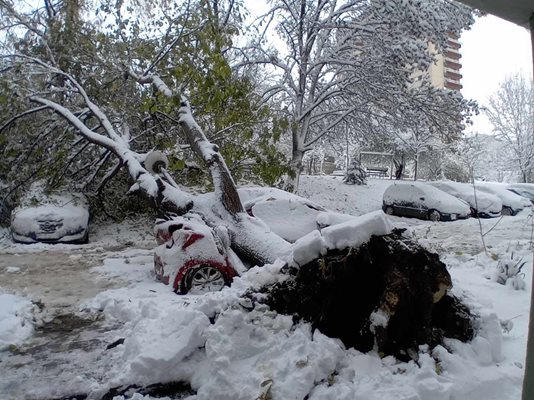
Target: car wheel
[(203, 279), (389, 210), (507, 211), (434, 215)]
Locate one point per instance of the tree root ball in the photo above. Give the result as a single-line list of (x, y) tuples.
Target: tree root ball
[(390, 293)]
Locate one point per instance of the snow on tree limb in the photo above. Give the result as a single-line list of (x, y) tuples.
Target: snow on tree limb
[(209, 152), (155, 189)]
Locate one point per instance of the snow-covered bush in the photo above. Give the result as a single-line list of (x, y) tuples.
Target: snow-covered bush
[(355, 174), (509, 272)]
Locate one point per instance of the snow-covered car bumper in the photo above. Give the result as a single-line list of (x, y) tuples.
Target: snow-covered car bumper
[(453, 216), (489, 214), (70, 237)]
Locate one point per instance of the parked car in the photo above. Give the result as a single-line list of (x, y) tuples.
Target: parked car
[(511, 202), (60, 217), (276, 208), (523, 189), (191, 257), (423, 201), (483, 205)]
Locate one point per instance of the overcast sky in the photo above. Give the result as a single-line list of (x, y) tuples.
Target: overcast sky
[(492, 50)]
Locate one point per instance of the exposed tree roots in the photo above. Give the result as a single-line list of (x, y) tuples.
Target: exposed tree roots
[(390, 292)]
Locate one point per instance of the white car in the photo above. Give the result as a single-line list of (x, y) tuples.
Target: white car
[(54, 218), (511, 202), (483, 205), (522, 189), (418, 200)]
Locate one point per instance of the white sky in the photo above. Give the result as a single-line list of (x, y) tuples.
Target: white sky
[(492, 50)]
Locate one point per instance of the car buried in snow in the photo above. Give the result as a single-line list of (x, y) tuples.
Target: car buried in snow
[(522, 189), (276, 207), (483, 205), (511, 203), (193, 258), (59, 217), (418, 200)]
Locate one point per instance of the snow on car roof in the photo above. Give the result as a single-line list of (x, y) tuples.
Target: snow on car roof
[(482, 202), (508, 198), (424, 195)]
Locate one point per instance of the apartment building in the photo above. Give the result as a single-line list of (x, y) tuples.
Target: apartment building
[(445, 72)]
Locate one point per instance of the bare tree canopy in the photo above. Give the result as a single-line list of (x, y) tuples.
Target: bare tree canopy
[(352, 63), (511, 112)]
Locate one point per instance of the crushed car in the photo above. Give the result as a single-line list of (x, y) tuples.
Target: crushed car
[(193, 258)]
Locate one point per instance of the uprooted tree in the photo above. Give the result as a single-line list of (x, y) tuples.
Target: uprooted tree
[(387, 271)]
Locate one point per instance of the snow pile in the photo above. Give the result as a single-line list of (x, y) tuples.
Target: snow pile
[(352, 233), (159, 344), (16, 320), (245, 354)]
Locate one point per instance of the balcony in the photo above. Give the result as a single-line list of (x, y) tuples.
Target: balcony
[(452, 54), (453, 74), (452, 84), (453, 44), (452, 64)]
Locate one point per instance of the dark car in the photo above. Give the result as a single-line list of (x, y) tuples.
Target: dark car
[(417, 200)]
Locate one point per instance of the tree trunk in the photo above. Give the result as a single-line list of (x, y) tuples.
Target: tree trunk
[(295, 168), (416, 166), (249, 239)]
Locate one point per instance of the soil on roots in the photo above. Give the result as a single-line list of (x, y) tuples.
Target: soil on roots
[(390, 292)]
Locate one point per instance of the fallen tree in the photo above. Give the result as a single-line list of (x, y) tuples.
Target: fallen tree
[(382, 290)]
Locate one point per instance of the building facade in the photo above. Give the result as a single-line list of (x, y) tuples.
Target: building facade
[(445, 72)]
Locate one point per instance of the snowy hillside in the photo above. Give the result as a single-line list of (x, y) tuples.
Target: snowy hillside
[(104, 324)]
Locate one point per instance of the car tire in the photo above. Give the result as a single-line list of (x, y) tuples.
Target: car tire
[(202, 279), (389, 210), (507, 211), (434, 215)]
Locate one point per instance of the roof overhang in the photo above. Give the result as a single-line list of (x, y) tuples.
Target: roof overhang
[(517, 11)]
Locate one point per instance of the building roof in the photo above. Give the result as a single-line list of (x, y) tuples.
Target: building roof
[(517, 11)]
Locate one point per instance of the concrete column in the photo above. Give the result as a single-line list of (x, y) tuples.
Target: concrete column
[(528, 381)]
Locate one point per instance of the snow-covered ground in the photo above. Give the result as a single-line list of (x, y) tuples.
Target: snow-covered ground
[(99, 321)]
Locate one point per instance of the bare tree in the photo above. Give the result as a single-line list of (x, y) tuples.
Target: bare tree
[(511, 112), (347, 58)]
